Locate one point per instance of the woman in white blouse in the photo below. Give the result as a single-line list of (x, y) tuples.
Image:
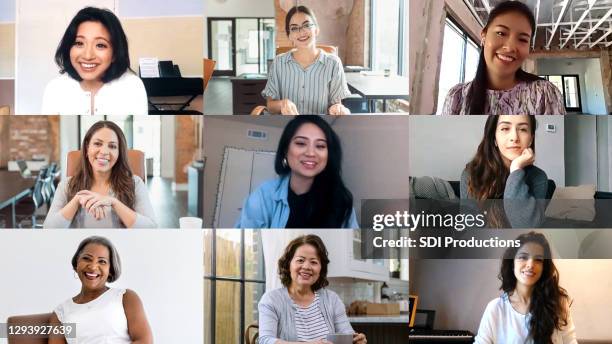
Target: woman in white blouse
[(534, 308), (95, 76)]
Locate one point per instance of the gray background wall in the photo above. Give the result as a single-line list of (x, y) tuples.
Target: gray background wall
[(441, 146), (375, 164)]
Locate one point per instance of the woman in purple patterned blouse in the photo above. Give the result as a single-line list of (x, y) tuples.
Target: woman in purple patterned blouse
[(500, 86)]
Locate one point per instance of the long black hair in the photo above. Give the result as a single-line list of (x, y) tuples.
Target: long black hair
[(478, 91), (549, 306), (332, 202), (121, 56)]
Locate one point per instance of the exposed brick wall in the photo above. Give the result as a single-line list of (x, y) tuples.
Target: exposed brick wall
[(185, 146), (352, 41), (24, 137)]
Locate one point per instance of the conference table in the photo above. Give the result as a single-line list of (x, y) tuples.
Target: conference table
[(374, 87), (13, 187)]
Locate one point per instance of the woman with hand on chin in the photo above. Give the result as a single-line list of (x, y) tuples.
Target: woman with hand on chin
[(305, 80), (103, 193), (101, 314), (309, 192), (534, 308), (303, 311), (500, 86), (95, 76), (503, 169)]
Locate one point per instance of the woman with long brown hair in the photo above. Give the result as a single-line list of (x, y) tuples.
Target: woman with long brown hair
[(503, 168), (103, 193), (533, 308)]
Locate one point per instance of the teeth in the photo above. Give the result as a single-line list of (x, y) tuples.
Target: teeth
[(88, 65), (505, 58)]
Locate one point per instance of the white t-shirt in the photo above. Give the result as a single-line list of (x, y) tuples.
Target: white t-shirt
[(100, 321), (502, 324), (125, 95)]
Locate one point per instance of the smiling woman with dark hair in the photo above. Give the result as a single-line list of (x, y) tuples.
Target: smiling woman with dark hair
[(500, 86), (303, 310), (103, 193), (94, 64), (101, 314), (309, 192), (305, 80), (534, 308)]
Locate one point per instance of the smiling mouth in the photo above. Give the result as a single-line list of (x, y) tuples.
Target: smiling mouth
[(102, 161), (305, 275), (91, 275), (528, 273), (505, 58), (303, 39), (88, 66), (309, 164)]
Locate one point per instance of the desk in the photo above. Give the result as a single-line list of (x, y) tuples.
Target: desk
[(172, 87), (13, 187), (373, 87), (246, 93)]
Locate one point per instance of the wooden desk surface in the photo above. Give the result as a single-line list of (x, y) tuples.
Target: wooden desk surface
[(13, 185)]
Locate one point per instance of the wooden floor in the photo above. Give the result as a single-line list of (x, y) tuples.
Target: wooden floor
[(169, 205)]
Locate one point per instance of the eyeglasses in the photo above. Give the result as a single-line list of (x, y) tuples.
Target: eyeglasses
[(306, 27)]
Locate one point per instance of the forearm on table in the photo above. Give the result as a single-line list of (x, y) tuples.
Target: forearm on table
[(125, 214)]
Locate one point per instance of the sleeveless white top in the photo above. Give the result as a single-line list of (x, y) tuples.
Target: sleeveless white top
[(101, 321)]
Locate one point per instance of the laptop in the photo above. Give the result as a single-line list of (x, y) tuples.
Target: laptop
[(23, 169)]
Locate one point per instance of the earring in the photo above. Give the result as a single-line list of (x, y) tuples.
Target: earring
[(495, 143), (285, 164)]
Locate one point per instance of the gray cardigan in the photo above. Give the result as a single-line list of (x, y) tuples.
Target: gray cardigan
[(145, 218), (524, 196), (277, 315)]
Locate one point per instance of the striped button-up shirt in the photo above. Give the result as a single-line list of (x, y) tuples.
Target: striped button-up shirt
[(312, 89)]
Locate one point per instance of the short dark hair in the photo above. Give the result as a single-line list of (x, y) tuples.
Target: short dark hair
[(121, 57), (115, 261), (284, 263), (298, 9)]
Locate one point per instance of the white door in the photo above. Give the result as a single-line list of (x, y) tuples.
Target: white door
[(242, 172), (40, 25)]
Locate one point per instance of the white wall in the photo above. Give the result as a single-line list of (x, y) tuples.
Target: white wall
[(40, 26), (167, 146), (163, 266), (459, 290), (589, 72), (441, 146), (235, 8)]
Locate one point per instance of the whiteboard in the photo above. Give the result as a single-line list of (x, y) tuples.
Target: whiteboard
[(40, 24)]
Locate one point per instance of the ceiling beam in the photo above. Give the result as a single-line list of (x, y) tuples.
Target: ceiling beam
[(601, 21), (575, 27), (566, 5), (601, 38), (537, 17), (486, 5)]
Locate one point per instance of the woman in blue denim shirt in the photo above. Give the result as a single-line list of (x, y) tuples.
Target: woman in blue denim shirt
[(309, 192)]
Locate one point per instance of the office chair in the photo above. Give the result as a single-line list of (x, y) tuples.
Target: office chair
[(330, 49), (208, 67), (29, 211), (135, 159), (251, 339)]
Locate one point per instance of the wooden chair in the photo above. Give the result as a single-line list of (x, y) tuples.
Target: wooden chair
[(330, 49), (32, 319), (251, 338), (209, 67), (136, 161)]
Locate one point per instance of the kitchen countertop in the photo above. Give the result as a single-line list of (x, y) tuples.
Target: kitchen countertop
[(383, 319)]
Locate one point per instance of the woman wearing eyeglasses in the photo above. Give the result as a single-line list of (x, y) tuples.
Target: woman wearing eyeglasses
[(305, 80)]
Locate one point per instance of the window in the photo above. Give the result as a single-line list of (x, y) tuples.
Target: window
[(569, 85), (234, 282), (389, 36), (460, 56)]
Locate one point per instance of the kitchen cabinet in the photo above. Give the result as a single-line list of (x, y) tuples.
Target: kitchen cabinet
[(343, 246)]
